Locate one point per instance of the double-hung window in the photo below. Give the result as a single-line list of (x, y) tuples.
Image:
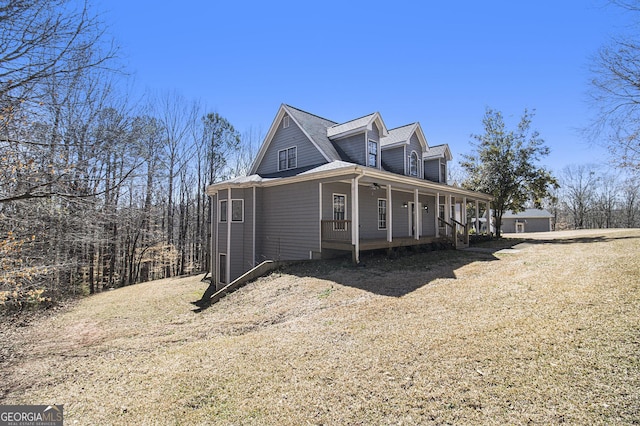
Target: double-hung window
[(237, 210), (382, 213), (373, 154), (288, 158), (339, 212)]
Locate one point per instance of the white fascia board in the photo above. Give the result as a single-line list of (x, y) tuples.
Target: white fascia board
[(267, 140)]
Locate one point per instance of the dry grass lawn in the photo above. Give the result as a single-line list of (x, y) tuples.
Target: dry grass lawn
[(548, 333)]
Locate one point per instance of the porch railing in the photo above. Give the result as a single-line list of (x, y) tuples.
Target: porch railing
[(336, 230)]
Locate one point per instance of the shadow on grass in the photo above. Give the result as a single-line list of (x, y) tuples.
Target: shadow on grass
[(408, 269), (394, 276)]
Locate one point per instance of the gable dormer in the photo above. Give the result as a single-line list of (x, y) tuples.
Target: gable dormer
[(296, 141), (403, 149), (435, 162), (359, 140)]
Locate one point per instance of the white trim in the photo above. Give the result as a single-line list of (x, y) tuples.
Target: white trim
[(232, 201), (389, 215), (271, 134), (320, 214), (418, 214), (223, 280), (226, 200), (286, 151), (386, 214), (213, 241), (437, 214), (355, 217), (228, 258), (413, 151), (355, 169), (376, 166), (253, 230), (333, 209)]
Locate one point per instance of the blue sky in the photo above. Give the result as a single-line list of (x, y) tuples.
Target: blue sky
[(439, 63)]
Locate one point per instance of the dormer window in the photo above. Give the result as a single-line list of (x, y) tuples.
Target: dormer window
[(288, 158), (413, 164), (373, 154)]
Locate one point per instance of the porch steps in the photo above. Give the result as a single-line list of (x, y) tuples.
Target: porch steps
[(211, 295)]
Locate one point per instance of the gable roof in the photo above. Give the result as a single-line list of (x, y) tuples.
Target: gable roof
[(402, 136), (355, 126), (313, 127), (438, 151), (527, 213)]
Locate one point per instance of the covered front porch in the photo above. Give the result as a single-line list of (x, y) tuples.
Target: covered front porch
[(368, 212)]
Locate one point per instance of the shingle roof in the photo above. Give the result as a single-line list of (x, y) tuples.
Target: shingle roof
[(527, 213), (316, 128), (437, 151), (399, 134), (349, 125)]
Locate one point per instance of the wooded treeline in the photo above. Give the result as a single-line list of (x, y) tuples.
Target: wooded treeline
[(96, 193)]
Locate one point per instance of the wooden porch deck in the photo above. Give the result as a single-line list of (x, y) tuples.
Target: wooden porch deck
[(377, 244)]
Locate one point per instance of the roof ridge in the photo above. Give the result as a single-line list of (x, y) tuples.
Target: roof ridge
[(406, 125), (310, 113), (355, 119)]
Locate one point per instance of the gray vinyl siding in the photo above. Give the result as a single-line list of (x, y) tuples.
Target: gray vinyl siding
[(369, 213), (428, 217), (401, 214), (307, 153), (242, 235), (432, 170), (290, 221), (394, 159), (328, 189), (355, 147), (531, 225)]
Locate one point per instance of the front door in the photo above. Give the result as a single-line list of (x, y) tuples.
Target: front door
[(519, 227)]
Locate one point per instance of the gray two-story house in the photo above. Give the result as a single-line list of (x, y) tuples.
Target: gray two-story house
[(317, 188)]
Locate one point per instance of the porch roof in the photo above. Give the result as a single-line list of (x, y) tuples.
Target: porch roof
[(342, 171)]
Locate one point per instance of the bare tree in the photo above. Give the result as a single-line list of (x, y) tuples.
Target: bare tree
[(616, 95), (579, 183)]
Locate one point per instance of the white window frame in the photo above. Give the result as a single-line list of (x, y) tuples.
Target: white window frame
[(337, 227), (241, 201), (222, 267), (369, 153), (285, 122), (286, 153), (417, 168), (222, 211), (386, 214)]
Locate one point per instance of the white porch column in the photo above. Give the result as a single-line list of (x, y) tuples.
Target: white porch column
[(355, 219), (320, 216), (447, 212), (228, 256), (416, 214), (477, 218), (463, 213), (389, 215), (437, 213)]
